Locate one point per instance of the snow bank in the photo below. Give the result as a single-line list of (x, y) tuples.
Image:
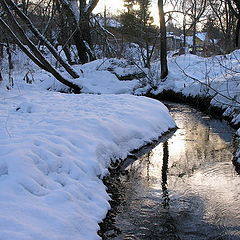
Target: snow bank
[(54, 150), (188, 74), (94, 78), (192, 75)]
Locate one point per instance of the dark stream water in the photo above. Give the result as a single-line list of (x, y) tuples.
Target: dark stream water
[(186, 187)]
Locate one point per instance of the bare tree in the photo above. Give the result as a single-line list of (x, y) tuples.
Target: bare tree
[(137, 25), (163, 41), (13, 26), (234, 6), (193, 12), (225, 21), (78, 14)]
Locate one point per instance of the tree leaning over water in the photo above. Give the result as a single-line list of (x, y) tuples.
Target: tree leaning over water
[(11, 24), (13, 16)]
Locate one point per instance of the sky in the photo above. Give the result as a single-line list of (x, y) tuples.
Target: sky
[(113, 6)]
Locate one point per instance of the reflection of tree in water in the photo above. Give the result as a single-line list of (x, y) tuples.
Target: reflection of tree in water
[(148, 162), (194, 211), (168, 224), (166, 198)]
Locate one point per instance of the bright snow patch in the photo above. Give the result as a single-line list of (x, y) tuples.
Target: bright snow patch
[(54, 149)]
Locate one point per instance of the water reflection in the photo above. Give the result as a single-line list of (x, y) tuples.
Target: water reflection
[(164, 176), (185, 188)]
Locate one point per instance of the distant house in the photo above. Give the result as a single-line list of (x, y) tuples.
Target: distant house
[(111, 30), (202, 40), (204, 45), (203, 37), (173, 42), (189, 41)]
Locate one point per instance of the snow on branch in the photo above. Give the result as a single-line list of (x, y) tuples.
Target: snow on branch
[(75, 9)]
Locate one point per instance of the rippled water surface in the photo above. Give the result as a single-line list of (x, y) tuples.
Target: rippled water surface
[(185, 188)]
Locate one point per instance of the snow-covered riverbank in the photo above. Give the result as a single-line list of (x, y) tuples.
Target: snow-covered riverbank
[(216, 78), (54, 150)]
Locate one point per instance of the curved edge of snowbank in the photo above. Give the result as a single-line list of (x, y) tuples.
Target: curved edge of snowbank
[(54, 149)]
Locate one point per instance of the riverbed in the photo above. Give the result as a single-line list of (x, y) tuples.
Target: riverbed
[(185, 188)]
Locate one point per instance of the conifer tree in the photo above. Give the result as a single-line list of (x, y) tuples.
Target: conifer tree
[(137, 24)]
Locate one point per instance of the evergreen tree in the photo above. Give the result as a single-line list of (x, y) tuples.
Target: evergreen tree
[(212, 29), (137, 24), (129, 5)]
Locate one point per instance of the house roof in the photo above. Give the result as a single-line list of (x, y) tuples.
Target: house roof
[(113, 23), (202, 36)]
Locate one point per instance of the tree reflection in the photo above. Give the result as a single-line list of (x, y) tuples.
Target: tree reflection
[(165, 194)]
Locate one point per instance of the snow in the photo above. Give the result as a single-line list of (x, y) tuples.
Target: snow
[(54, 150), (119, 67), (73, 5), (102, 81), (202, 36), (192, 75)]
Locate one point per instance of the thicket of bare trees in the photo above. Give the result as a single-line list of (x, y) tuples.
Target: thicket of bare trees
[(32, 24), (17, 23)]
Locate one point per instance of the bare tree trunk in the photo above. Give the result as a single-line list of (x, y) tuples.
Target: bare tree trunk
[(194, 50), (236, 12), (42, 39), (10, 66), (237, 33), (86, 34), (81, 46), (67, 51), (64, 38), (80, 27), (163, 41), (184, 31), (35, 56), (1, 59), (1, 52)]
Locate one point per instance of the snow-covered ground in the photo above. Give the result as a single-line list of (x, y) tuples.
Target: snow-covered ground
[(54, 150), (221, 73), (55, 147), (216, 77), (186, 72)]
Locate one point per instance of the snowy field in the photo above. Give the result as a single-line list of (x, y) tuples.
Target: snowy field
[(55, 148)]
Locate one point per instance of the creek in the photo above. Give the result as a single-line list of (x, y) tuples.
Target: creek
[(185, 188)]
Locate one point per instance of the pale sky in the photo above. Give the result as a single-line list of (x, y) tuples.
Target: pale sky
[(114, 6)]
